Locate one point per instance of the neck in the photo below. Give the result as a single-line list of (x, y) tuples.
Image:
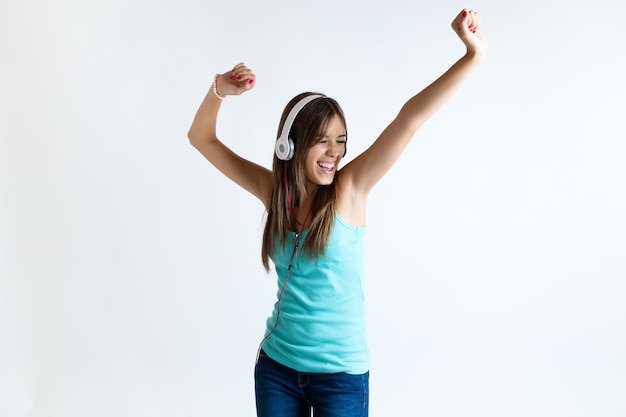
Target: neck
[(311, 189), (301, 214)]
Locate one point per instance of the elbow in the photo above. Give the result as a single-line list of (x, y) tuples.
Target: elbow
[(190, 138), (193, 138), (408, 125), (201, 141)]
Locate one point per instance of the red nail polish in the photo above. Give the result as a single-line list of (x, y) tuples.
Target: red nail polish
[(250, 81), (464, 13), (239, 78)]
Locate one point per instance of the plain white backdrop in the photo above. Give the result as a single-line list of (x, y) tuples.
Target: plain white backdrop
[(130, 274)]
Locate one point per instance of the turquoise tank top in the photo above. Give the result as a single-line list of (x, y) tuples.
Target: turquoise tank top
[(321, 326)]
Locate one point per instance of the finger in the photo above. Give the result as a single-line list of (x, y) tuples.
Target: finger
[(473, 21), (463, 22), (248, 80), (246, 83), (236, 70), (462, 17), (470, 20), (465, 18), (478, 19), (239, 66), (244, 74), (241, 72)]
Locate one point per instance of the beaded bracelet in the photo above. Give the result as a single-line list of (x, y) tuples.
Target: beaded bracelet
[(215, 88)]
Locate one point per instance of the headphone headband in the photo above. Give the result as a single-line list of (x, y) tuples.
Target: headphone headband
[(284, 144)]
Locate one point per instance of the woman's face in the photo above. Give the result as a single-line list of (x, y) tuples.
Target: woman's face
[(322, 159)]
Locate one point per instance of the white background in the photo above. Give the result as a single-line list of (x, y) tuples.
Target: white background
[(130, 273)]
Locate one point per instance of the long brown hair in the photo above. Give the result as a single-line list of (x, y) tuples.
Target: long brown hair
[(308, 128)]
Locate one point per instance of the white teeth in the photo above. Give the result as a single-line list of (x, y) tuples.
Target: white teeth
[(326, 165)]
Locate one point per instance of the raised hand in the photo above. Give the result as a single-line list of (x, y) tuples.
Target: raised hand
[(236, 81), (467, 26)]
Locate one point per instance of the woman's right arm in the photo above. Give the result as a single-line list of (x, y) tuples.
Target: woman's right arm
[(203, 137)]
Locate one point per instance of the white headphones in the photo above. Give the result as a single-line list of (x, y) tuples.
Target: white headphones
[(284, 144)]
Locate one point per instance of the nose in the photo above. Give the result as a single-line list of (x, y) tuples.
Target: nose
[(333, 149)]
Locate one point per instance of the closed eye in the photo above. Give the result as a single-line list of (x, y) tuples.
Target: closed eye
[(341, 140)]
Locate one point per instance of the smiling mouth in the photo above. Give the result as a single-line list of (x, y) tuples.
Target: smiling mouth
[(327, 166)]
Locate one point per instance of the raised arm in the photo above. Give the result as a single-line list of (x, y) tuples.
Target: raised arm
[(202, 134), (367, 169)]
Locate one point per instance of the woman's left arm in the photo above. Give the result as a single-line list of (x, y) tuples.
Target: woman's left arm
[(367, 169)]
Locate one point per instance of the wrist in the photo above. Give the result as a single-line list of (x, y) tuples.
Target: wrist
[(215, 88), (474, 56)]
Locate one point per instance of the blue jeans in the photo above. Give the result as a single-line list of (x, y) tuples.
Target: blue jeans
[(285, 392)]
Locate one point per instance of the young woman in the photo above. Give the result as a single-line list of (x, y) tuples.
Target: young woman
[(314, 354)]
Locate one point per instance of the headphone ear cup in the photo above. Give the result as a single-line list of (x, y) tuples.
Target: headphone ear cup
[(292, 149), (284, 148)]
